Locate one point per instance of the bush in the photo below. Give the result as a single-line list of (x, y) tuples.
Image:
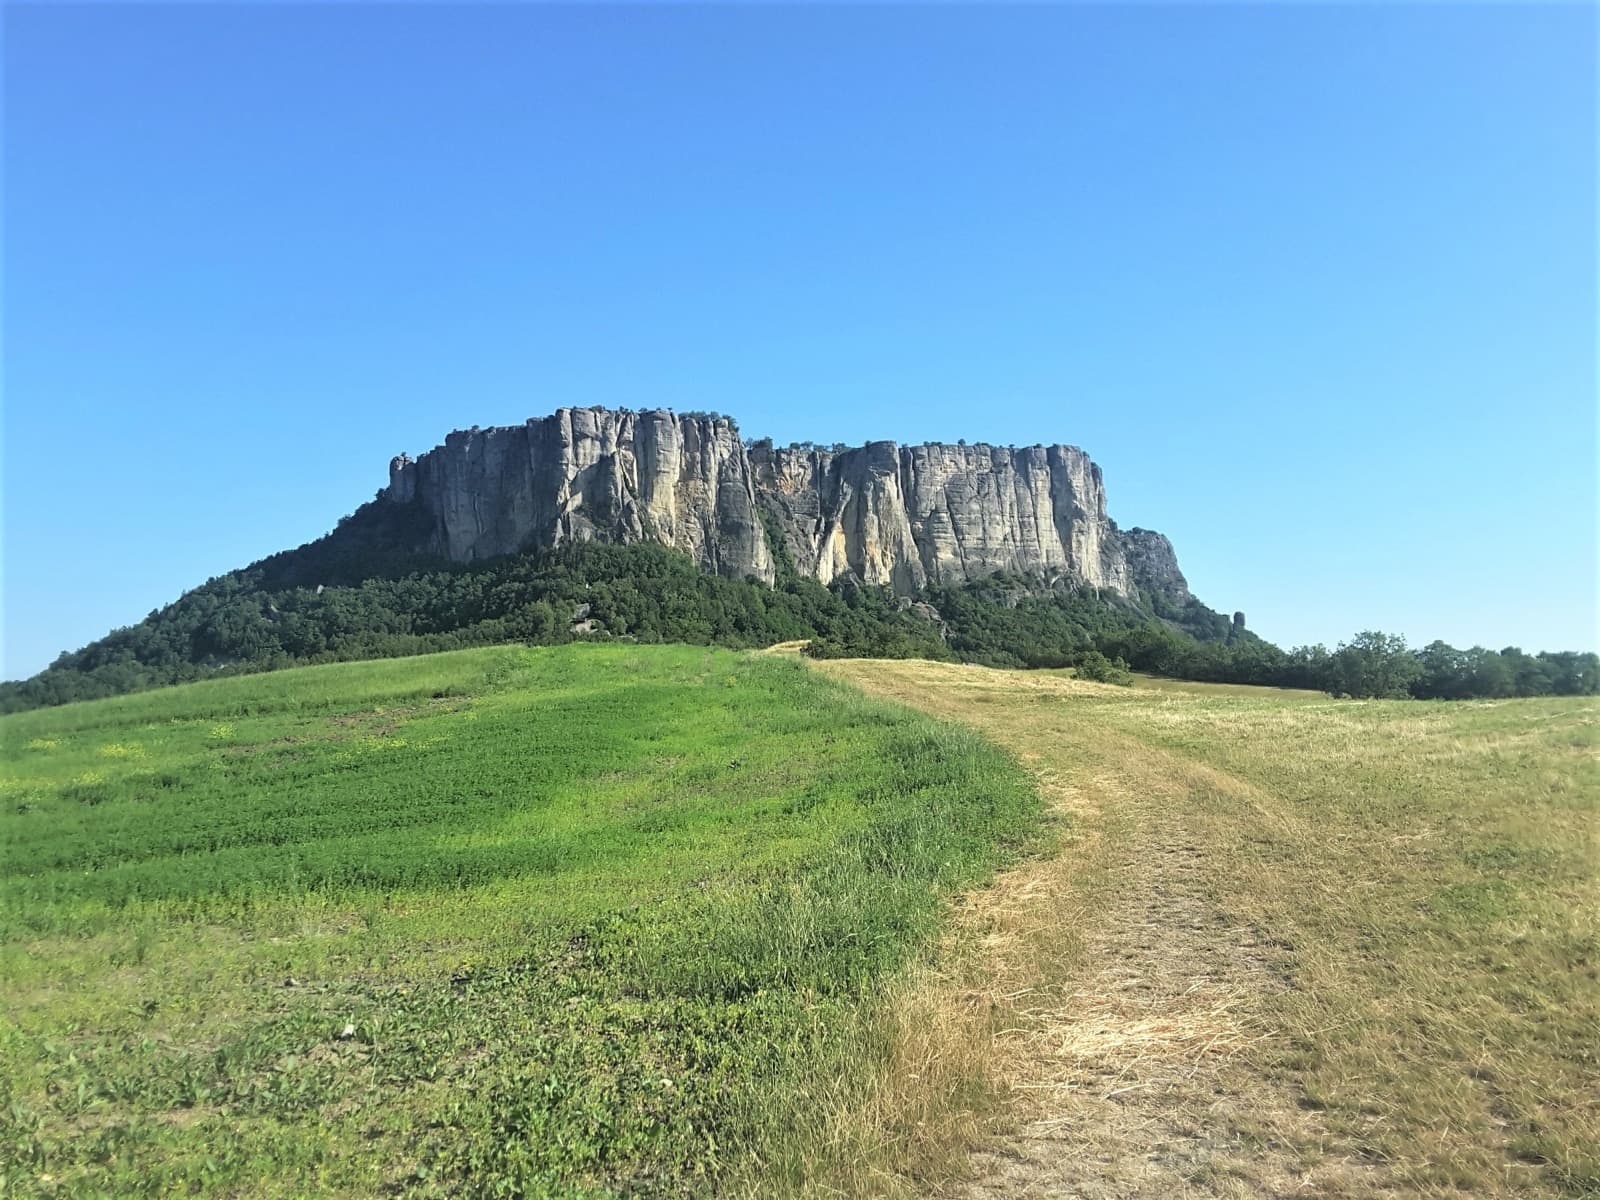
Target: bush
[(1091, 664), (823, 648)]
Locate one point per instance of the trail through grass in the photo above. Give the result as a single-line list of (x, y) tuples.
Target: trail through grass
[(577, 921), (1293, 945)]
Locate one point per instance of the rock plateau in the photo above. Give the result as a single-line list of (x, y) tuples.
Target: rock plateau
[(904, 517)]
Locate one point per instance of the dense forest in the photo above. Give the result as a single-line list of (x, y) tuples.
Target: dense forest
[(357, 594)]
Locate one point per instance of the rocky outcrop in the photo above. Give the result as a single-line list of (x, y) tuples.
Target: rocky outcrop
[(1153, 565), (911, 516), (588, 473), (904, 517)]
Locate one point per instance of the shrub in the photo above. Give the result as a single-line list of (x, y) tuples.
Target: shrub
[(1091, 664)]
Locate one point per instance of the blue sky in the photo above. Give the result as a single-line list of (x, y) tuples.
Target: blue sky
[(1315, 285)]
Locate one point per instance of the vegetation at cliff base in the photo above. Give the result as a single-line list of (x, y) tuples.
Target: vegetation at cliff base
[(359, 593), (315, 605), (583, 920)]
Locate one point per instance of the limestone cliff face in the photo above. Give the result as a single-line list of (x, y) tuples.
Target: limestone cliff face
[(911, 516), (591, 473), (900, 516), (1154, 566)]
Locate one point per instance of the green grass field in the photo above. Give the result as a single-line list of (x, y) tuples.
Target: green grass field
[(584, 920), (608, 920)]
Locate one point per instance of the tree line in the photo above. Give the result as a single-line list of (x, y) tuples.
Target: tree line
[(1370, 665), (1001, 622), (234, 624), (359, 593)]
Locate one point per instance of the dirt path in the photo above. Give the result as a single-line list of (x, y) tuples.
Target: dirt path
[(1138, 1088), (1131, 1058)]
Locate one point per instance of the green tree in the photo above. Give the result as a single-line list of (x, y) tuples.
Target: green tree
[(1374, 664)]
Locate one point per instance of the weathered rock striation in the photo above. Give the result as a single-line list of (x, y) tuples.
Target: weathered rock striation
[(904, 517), (910, 516), (589, 473)]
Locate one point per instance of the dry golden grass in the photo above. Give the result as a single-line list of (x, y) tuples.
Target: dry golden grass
[(1287, 945)]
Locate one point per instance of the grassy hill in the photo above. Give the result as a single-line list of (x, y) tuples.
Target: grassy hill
[(624, 920), (560, 921)]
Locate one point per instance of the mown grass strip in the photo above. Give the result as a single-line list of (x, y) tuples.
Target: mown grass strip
[(1418, 880)]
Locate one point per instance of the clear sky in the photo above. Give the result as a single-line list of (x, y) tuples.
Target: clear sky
[(1315, 285)]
